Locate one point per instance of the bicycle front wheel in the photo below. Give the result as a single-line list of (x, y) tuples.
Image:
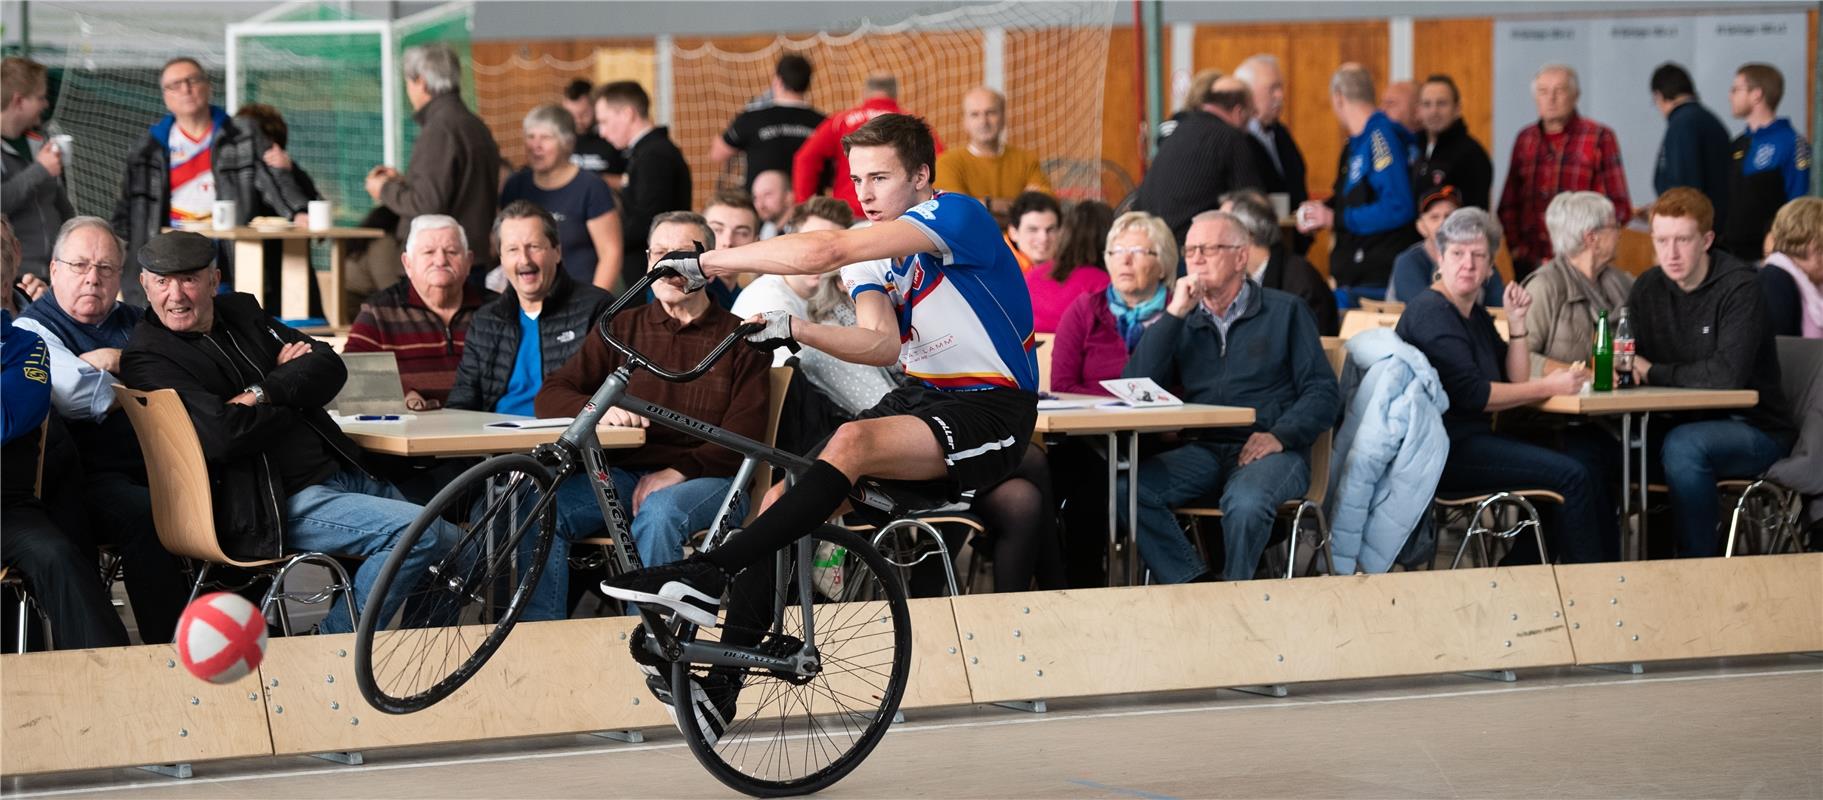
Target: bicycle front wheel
[(427, 628), (785, 734)]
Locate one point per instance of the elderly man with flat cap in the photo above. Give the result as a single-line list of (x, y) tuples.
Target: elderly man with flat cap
[(285, 478)]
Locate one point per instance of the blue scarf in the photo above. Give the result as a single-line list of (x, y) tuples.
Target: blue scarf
[(1132, 321), (79, 337)]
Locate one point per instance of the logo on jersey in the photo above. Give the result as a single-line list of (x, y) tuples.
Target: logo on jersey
[(1356, 166), (926, 209), (1383, 153), (1763, 156)]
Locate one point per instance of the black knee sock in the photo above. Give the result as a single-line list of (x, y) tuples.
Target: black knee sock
[(799, 511)]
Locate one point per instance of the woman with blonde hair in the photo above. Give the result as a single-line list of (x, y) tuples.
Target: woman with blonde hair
[(1098, 331), (1792, 278)]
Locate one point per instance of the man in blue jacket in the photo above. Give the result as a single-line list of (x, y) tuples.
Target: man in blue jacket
[(1372, 210), (1770, 165), (1226, 340)]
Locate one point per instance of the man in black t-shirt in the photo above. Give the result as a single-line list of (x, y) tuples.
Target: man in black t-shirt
[(770, 129), (592, 152)]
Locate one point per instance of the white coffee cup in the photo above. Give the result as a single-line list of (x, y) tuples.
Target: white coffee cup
[(65, 143), (1281, 204), (322, 215), (223, 215)]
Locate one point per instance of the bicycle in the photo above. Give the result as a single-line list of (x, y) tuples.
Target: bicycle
[(807, 667)]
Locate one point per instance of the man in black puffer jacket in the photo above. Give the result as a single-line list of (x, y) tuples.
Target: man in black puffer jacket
[(234, 156), (527, 333), (283, 477)]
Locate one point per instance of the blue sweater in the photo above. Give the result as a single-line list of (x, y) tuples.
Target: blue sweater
[(1271, 362)]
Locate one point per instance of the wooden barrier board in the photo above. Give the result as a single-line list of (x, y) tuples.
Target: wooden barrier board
[(1694, 608), (1164, 638), (548, 677), (121, 707)]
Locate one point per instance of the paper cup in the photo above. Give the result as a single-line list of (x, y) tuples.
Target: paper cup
[(1281, 204), (65, 143)]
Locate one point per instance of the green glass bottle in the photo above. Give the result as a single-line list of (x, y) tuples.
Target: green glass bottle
[(1603, 362)]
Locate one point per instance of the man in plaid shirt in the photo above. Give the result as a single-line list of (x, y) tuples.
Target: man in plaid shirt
[(1563, 152)]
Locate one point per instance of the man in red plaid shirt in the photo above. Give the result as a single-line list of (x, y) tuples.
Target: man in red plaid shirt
[(1563, 152)]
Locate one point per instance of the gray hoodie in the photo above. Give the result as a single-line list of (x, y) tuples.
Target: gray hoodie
[(35, 202)]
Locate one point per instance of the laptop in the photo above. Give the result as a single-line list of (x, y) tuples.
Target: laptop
[(373, 386)]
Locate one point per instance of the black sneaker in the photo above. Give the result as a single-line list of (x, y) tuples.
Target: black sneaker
[(692, 588), (712, 696)]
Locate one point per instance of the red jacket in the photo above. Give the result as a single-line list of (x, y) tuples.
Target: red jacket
[(825, 145), (1589, 160)]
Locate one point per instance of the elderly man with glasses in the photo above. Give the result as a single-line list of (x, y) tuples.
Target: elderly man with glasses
[(1226, 340), (194, 156), (85, 329)]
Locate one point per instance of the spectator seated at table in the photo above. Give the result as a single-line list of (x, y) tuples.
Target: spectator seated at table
[(1054, 280), (1416, 268), (517, 339), (1792, 278), (285, 479), (1482, 375), (1273, 265), (1225, 340), (1699, 322), (1100, 329), (423, 319), (62, 576), (588, 224), (673, 484), (1578, 282), (85, 329)]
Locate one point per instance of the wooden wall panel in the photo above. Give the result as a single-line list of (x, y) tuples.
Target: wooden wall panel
[(122, 707), (1695, 608)]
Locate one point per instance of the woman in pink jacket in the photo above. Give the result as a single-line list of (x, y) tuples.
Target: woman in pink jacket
[(1099, 329)]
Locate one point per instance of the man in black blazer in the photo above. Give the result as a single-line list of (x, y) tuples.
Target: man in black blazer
[(1280, 163)]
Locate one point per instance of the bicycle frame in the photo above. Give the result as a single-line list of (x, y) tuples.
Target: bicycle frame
[(579, 447)]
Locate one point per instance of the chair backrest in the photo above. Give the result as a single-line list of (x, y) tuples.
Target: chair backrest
[(1373, 306), (1042, 347), (182, 505), (1319, 452), (1801, 374), (1358, 321), (779, 382)]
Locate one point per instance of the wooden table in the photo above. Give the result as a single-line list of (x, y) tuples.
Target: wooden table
[(1112, 422), (1643, 401), (449, 432), (295, 274)]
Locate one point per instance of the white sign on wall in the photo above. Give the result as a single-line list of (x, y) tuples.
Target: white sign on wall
[(1614, 59)]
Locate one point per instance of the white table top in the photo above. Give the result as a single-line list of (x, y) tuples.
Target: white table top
[(453, 432), (1078, 421)]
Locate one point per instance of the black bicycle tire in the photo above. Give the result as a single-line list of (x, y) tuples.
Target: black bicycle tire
[(827, 776), (472, 479)]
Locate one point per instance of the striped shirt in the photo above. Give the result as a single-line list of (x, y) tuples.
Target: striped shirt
[(397, 320)]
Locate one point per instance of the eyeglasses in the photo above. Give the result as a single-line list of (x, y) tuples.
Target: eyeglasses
[(84, 267), (186, 83), (1200, 251), (1116, 252)]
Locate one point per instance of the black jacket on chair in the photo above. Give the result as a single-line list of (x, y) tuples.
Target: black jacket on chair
[(249, 448), (492, 344)]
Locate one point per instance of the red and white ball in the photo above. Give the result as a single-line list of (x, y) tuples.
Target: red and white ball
[(221, 637)]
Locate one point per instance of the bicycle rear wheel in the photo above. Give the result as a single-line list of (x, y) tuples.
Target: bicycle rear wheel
[(442, 623), (786, 735)]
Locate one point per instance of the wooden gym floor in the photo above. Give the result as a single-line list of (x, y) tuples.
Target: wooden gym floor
[(1743, 727)]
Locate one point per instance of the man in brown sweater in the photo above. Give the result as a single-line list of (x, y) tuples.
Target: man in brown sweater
[(673, 484)]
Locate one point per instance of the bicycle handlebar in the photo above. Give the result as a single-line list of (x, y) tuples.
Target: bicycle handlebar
[(635, 357)]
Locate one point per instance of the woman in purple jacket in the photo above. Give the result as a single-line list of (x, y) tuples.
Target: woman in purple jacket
[(1099, 329)]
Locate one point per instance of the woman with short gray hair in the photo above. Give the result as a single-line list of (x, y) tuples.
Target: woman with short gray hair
[(1481, 375), (588, 225), (1578, 282)]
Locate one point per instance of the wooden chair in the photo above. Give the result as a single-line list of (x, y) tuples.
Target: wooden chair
[(1358, 321), (1043, 349), (1373, 306), (183, 506), (1298, 509)]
